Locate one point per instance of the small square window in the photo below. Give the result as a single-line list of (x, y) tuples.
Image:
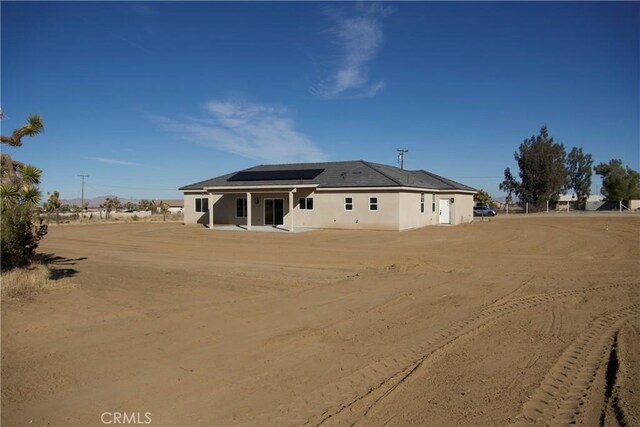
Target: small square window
[(348, 204), (202, 204), (306, 203), (373, 203)]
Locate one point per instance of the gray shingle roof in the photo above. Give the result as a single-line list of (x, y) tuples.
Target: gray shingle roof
[(356, 173)]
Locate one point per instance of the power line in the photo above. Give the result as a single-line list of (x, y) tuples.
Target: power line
[(91, 184)]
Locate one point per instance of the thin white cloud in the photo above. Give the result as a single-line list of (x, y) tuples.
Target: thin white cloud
[(358, 34), (260, 132), (113, 161)]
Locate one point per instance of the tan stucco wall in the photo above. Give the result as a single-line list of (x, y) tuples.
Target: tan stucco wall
[(396, 210), (411, 216), (190, 215), (464, 208), (329, 212)]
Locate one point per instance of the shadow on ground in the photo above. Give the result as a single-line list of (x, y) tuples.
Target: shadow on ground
[(53, 261)]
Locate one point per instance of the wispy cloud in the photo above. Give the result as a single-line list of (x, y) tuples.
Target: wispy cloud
[(358, 34), (113, 161), (260, 132)]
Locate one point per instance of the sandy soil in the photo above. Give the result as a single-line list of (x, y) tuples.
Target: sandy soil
[(511, 321)]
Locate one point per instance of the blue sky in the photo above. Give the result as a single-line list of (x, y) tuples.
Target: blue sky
[(147, 97)]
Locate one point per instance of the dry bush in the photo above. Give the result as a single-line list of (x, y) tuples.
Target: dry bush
[(22, 282)]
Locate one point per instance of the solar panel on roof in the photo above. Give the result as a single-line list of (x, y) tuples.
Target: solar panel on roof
[(276, 175)]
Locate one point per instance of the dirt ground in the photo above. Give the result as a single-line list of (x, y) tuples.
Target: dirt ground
[(512, 321)]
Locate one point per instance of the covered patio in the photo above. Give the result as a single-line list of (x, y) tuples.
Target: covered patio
[(271, 208)]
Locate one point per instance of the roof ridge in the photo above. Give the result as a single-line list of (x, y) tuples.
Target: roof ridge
[(380, 172), (446, 180)]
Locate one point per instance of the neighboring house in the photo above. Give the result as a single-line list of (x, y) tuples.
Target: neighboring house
[(175, 206), (564, 198), (345, 195), (593, 202)]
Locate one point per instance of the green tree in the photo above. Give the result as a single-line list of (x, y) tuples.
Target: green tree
[(542, 171), (579, 175), (19, 200), (618, 183), (19, 235), (129, 206), (482, 197)]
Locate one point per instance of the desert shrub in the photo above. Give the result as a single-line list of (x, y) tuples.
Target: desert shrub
[(21, 282), (19, 236), (135, 217)]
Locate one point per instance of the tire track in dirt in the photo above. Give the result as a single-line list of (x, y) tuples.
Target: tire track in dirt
[(612, 405), (564, 395), (377, 380)]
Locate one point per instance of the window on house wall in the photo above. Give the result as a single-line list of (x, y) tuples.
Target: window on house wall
[(421, 202), (348, 203), (433, 203), (202, 204), (241, 207), (306, 203), (373, 203)]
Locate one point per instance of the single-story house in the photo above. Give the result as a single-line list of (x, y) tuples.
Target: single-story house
[(593, 203), (346, 195)]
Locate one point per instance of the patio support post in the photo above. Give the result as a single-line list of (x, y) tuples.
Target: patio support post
[(249, 204), (211, 202), (291, 206)]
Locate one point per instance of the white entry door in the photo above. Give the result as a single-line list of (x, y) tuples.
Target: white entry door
[(445, 218)]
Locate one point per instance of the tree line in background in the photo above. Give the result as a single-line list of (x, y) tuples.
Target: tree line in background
[(546, 171), (53, 206), (113, 204)]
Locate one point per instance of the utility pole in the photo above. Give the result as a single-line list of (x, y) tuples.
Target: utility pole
[(82, 193), (401, 152)]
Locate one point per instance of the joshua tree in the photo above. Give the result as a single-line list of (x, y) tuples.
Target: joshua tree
[(164, 208), (53, 205), (19, 199), (145, 205), (10, 167), (110, 204), (21, 188)]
